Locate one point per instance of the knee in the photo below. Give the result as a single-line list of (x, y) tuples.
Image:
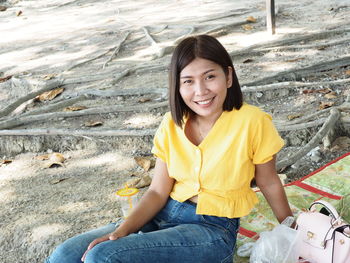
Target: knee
[(102, 253), (65, 252), (95, 255), (58, 255)]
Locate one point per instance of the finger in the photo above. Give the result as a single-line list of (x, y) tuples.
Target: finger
[(84, 255), (97, 240), (113, 236)]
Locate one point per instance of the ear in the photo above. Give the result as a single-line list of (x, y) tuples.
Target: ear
[(229, 77)]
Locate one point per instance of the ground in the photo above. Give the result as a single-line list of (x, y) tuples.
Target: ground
[(112, 57)]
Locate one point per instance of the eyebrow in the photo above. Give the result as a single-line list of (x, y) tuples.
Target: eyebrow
[(205, 72)]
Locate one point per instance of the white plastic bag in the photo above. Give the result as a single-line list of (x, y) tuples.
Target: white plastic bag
[(277, 246)]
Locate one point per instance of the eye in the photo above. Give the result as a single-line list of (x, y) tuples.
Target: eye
[(187, 81), (210, 77)]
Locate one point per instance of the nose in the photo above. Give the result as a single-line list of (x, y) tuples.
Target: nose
[(201, 88)]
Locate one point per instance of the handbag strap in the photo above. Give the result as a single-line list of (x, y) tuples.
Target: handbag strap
[(340, 229), (332, 211)]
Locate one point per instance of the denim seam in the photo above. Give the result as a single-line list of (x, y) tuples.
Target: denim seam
[(108, 258), (228, 257)]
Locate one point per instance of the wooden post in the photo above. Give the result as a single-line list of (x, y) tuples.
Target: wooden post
[(270, 16)]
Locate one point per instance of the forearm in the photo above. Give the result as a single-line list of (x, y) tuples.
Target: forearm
[(270, 185), (149, 205), (277, 199)]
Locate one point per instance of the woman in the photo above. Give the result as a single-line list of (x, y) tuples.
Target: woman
[(209, 148)]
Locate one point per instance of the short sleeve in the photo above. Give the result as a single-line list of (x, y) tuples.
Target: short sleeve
[(266, 140), (160, 141)]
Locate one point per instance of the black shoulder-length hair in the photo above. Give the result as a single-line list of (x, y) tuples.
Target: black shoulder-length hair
[(206, 47)]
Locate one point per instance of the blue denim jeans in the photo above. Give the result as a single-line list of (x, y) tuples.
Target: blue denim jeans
[(176, 235)]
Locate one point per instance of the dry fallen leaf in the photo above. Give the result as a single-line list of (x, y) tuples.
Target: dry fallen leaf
[(49, 76), (53, 157), (74, 108), (294, 59), (144, 162), (324, 105), (56, 181), (331, 95), (142, 100), (42, 157), (57, 157), (144, 181), (50, 95), (5, 78), (251, 19), (93, 123), (324, 91), (293, 116), (307, 91), (347, 72), (248, 60), (18, 13), (51, 164), (133, 182), (247, 27), (4, 162)]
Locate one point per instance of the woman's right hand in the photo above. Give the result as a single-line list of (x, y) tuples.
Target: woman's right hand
[(111, 236)]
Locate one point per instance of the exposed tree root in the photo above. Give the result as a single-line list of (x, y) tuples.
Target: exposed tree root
[(237, 12), (316, 46), (288, 41), (162, 51), (56, 106), (330, 122), (308, 117), (300, 72), (7, 124), (116, 50), (48, 86), (300, 126), (292, 84), (68, 132), (87, 79)]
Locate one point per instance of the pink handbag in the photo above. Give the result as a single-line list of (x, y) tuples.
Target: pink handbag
[(323, 238)]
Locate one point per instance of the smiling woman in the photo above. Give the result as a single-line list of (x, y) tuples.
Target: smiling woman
[(216, 64), (209, 148)]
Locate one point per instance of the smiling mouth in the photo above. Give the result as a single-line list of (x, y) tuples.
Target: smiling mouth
[(204, 102)]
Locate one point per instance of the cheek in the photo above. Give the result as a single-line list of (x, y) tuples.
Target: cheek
[(185, 93)]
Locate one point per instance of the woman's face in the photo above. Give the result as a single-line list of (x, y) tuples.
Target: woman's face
[(203, 87)]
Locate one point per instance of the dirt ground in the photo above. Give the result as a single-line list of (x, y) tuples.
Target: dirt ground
[(77, 42)]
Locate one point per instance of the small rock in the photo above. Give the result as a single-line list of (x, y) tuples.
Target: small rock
[(259, 94), (313, 151), (316, 158), (3, 8)]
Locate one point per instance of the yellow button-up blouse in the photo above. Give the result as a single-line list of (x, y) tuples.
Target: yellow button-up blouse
[(220, 169)]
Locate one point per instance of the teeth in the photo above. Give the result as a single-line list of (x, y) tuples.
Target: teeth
[(204, 102)]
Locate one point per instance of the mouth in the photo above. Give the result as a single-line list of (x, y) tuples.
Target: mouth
[(204, 102)]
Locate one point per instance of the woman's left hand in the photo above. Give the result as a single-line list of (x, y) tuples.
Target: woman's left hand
[(111, 236)]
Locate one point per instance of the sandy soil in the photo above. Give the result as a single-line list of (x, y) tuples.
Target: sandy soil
[(40, 206)]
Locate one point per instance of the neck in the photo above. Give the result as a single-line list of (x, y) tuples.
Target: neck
[(207, 122)]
